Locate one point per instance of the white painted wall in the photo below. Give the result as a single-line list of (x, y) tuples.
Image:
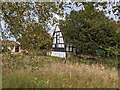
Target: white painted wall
[(58, 54)]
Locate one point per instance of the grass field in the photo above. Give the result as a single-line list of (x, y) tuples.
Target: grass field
[(24, 71)]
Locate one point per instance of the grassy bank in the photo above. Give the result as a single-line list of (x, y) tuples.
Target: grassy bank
[(23, 71)]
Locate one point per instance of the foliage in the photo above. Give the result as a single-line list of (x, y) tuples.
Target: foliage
[(21, 17), (89, 30), (34, 37), (26, 22), (23, 26)]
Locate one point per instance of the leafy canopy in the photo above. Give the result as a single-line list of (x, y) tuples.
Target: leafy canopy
[(89, 30), (26, 22)]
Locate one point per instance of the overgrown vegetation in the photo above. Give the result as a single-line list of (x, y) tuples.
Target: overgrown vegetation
[(24, 71), (27, 23), (91, 32), (88, 30)]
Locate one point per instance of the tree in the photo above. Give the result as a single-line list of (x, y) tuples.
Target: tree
[(26, 22), (34, 37), (18, 15), (89, 30)]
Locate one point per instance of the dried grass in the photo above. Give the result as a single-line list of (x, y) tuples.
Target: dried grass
[(42, 72)]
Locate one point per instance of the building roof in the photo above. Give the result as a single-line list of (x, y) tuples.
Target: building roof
[(9, 43), (53, 29)]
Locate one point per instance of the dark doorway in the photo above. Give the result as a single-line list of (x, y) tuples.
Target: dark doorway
[(16, 48)]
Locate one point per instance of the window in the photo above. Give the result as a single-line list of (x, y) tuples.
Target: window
[(69, 48), (60, 34), (57, 33), (58, 40), (62, 45), (61, 40), (53, 45), (58, 45)]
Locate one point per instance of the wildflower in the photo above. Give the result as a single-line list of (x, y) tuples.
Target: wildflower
[(35, 78), (47, 81), (102, 68), (70, 74), (77, 64)]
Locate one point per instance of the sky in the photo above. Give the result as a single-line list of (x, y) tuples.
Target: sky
[(68, 10)]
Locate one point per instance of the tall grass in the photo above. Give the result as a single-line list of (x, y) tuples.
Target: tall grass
[(21, 71)]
